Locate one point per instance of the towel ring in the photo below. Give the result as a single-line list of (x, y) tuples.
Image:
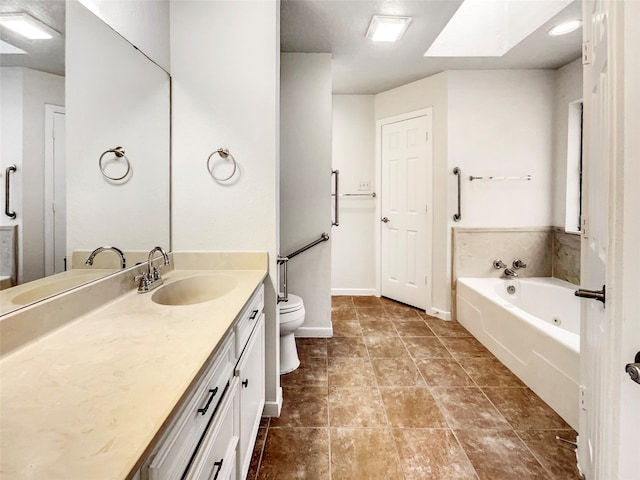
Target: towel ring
[(119, 153), (224, 153)]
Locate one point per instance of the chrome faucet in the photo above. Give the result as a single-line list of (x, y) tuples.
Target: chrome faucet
[(93, 254), (498, 264), (510, 273), (151, 278), (517, 264)]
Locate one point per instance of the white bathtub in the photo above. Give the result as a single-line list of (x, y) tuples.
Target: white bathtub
[(535, 332)]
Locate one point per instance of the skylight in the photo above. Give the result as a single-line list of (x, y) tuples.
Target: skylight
[(490, 28)]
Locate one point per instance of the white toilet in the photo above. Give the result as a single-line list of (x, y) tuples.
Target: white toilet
[(291, 318)]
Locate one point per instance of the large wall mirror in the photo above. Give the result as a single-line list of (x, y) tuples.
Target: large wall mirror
[(66, 106)]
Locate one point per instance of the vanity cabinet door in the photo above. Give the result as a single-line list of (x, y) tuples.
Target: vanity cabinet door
[(250, 372), (216, 457)]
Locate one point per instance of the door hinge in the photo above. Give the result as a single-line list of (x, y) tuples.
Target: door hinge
[(583, 397), (587, 53), (584, 226)]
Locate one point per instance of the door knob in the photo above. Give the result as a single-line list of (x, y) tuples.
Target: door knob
[(633, 369), (385, 220)]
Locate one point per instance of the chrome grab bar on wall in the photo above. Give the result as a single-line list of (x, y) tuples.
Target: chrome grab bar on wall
[(284, 260), (7, 186), (458, 216), (336, 222)]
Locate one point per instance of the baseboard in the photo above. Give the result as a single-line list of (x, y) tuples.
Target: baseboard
[(314, 332), (273, 409), (355, 292), (441, 314)]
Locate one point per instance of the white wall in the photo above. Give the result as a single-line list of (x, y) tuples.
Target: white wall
[(144, 24), (24, 95), (115, 97), (225, 71), (568, 89), (353, 245), (305, 182), (429, 92)]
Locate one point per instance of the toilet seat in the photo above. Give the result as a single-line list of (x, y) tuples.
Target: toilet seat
[(294, 304)]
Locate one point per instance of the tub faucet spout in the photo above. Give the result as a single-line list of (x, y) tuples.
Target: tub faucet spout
[(510, 273)]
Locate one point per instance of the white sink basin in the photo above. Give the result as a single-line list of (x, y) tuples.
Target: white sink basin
[(192, 290)]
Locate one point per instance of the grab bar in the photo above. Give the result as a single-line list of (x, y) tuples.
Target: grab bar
[(358, 195), (458, 216), (526, 177), (7, 186), (284, 260), (336, 223)]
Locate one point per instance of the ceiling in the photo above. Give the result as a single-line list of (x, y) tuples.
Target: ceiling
[(361, 66), (43, 55)]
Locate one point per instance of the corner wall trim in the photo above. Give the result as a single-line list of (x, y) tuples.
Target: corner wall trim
[(436, 312), (356, 292), (314, 332), (273, 409)]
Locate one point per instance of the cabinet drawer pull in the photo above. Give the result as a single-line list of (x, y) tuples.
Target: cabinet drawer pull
[(253, 315), (217, 465), (245, 383), (213, 393)]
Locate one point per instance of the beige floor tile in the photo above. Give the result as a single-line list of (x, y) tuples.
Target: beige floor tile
[(346, 328), (432, 454), (312, 372), (398, 372), (524, 409), (378, 328), (402, 312), (346, 347), (311, 347), (412, 328), (467, 407), (351, 372), (559, 459), (443, 372), (489, 372), (411, 407), (426, 347), (500, 454), (343, 313), (356, 407), (385, 347), (364, 454), (303, 407), (462, 347), (295, 453)]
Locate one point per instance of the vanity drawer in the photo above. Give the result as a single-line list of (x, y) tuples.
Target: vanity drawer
[(248, 319), (180, 441), (216, 456)]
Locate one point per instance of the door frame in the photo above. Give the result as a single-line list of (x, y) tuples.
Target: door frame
[(49, 186), (378, 210)]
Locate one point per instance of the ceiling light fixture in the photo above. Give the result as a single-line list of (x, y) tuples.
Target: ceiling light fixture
[(387, 29), (27, 26), (565, 27)]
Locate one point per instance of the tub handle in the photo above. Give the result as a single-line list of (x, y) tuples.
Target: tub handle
[(593, 294)]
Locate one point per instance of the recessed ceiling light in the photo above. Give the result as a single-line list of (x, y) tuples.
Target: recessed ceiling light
[(27, 26), (565, 27), (387, 29)]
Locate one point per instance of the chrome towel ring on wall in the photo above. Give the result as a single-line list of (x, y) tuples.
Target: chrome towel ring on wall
[(119, 153), (225, 155)]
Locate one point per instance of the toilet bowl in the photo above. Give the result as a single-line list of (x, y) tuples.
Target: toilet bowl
[(291, 318)]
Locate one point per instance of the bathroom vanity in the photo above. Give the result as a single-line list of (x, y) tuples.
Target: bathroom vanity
[(128, 387)]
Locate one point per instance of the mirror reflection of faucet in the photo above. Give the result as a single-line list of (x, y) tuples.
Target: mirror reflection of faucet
[(151, 279), (93, 254)]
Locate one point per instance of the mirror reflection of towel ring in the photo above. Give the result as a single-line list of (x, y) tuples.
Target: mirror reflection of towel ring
[(119, 153), (224, 153)]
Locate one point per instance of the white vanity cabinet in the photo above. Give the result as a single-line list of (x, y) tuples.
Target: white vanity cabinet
[(213, 434)]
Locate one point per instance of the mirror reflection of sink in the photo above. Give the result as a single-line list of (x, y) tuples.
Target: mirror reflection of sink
[(191, 290), (53, 287)]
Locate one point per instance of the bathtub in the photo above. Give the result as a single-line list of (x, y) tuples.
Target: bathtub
[(534, 331)]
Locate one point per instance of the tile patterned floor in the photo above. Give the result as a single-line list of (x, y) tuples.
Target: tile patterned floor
[(397, 394)]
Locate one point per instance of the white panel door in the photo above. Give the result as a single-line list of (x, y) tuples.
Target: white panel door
[(610, 333), (405, 193), (55, 217)]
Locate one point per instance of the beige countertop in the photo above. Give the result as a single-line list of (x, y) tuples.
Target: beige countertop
[(87, 400)]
